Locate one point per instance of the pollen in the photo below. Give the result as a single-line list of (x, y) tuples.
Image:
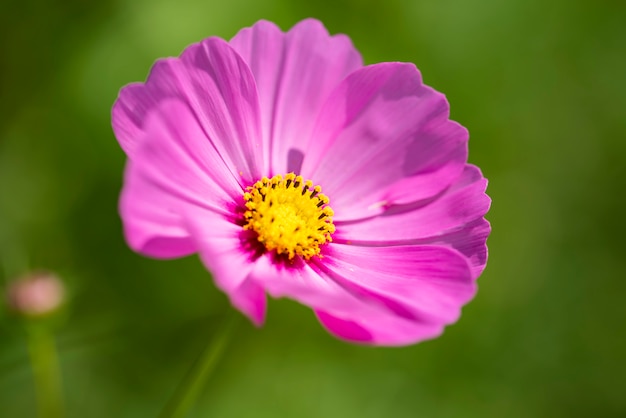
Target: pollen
[(289, 215)]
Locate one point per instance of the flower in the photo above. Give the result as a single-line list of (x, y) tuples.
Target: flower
[(295, 171), (36, 294)]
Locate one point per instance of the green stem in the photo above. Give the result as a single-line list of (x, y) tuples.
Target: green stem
[(46, 372), (185, 395)]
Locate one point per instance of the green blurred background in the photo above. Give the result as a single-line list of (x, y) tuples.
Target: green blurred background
[(541, 85)]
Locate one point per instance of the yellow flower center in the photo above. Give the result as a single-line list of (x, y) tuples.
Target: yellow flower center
[(289, 215)]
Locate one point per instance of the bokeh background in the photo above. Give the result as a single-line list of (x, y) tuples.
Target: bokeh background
[(541, 85)]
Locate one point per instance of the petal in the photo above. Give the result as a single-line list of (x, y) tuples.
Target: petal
[(223, 252), (380, 330), (294, 72), (421, 287), (151, 226), (397, 295), (219, 89), (471, 241), (130, 109), (462, 203), (426, 281), (308, 285), (174, 168), (384, 138), (345, 329)]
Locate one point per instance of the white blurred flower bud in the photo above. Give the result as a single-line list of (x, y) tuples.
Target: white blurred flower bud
[(36, 294)]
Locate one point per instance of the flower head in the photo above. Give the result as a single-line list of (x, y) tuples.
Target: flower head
[(36, 294), (294, 170)]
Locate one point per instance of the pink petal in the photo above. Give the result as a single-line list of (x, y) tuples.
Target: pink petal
[(150, 226), (382, 330), (174, 168), (464, 202), (294, 72), (427, 282), (469, 241), (130, 109), (222, 251), (308, 285), (421, 287), (384, 138), (219, 89), (345, 329), (398, 295)]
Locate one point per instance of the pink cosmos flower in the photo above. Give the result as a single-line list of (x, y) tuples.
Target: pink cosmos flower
[(230, 146)]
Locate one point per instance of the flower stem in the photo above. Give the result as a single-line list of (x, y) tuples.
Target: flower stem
[(185, 395), (46, 372)]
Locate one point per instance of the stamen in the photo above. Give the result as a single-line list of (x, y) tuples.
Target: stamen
[(289, 215)]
